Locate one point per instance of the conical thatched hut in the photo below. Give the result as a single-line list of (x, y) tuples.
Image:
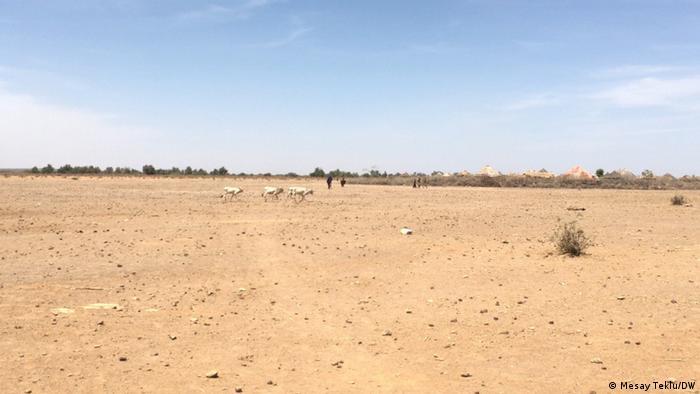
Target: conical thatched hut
[(487, 170), (539, 174), (578, 172)]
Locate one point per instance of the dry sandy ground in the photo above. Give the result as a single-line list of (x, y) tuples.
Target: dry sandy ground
[(328, 296)]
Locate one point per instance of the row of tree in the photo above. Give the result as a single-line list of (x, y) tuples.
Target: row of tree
[(320, 173), (149, 169), (600, 173)]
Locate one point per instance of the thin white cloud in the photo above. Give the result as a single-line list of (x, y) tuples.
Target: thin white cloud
[(293, 36), (34, 133), (639, 70), (217, 11), (681, 93)]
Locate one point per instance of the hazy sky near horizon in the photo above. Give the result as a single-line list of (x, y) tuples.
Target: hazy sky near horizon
[(278, 86)]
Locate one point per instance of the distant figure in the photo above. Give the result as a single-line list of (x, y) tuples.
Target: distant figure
[(415, 183), (342, 182), (329, 181), (419, 184)]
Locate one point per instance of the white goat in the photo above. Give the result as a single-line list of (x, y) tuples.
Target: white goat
[(302, 192), (292, 191), (269, 191), (231, 192)]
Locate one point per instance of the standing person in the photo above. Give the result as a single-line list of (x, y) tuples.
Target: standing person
[(329, 181), (342, 182), (415, 183)]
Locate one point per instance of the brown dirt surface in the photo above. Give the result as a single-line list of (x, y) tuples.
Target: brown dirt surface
[(151, 284)]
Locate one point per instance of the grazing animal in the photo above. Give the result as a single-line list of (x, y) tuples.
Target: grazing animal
[(292, 191), (300, 192), (231, 192), (269, 191)]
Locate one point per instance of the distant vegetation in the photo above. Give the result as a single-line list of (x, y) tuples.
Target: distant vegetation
[(337, 173), (609, 180), (317, 173), (147, 169)]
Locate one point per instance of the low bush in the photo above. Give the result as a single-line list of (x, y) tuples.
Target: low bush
[(678, 200), (570, 240)]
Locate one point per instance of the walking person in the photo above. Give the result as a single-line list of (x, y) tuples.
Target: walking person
[(329, 181)]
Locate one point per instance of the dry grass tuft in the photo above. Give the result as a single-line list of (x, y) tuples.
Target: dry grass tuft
[(570, 239), (678, 200)]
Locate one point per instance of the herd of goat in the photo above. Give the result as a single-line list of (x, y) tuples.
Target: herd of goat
[(294, 192)]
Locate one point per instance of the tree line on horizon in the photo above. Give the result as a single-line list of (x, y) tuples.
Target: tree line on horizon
[(149, 169), (318, 172)]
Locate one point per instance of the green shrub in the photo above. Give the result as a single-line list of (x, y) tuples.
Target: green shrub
[(148, 169), (338, 173), (318, 173)]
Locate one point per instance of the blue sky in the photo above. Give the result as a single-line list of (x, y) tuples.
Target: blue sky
[(278, 86)]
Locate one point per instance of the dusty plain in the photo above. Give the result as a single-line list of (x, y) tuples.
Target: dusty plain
[(328, 296)]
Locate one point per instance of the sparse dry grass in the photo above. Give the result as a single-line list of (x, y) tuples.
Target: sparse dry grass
[(678, 199), (656, 183), (323, 280), (571, 240)]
